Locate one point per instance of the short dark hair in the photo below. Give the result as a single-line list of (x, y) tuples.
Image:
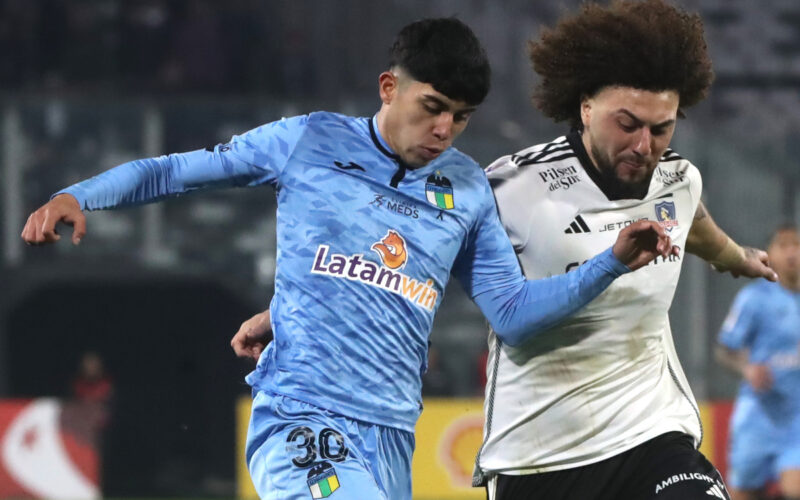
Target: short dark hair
[(647, 45), (783, 226), (445, 53)]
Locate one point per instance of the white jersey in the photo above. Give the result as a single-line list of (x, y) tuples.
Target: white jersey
[(608, 378)]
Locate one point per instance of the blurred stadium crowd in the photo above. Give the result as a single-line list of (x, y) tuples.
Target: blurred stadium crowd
[(88, 84), (154, 45)]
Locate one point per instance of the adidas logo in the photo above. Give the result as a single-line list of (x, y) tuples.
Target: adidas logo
[(716, 491), (578, 226)]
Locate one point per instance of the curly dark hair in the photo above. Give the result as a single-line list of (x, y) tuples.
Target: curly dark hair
[(445, 53), (647, 45)]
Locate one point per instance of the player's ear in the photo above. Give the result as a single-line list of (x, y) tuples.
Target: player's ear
[(387, 86), (586, 110)]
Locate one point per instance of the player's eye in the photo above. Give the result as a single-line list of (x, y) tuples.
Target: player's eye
[(432, 109), (462, 117), (627, 127), (658, 131)]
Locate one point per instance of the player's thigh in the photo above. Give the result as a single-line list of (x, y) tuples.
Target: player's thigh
[(297, 452), (744, 494), (751, 460), (788, 465), (790, 483), (389, 452), (787, 461), (276, 476), (527, 487), (684, 476), (590, 482)]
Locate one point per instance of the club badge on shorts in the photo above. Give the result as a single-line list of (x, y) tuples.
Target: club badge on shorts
[(322, 480)]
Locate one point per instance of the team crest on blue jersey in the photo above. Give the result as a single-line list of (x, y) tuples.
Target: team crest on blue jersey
[(439, 191), (665, 214), (322, 480)]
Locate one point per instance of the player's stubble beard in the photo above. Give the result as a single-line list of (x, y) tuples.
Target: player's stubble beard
[(620, 189)]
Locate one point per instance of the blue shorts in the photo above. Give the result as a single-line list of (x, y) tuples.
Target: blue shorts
[(299, 451), (760, 449)]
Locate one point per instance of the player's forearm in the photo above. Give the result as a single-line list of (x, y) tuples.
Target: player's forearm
[(733, 360), (709, 242), (134, 182), (147, 180), (541, 304)]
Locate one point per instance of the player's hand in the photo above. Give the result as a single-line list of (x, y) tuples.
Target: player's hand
[(253, 336), (758, 376), (642, 242), (41, 226), (754, 265)]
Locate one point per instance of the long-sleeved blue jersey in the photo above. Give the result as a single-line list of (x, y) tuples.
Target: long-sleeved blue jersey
[(765, 321), (366, 246)]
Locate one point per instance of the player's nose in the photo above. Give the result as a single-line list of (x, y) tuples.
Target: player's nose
[(644, 143), (443, 126)]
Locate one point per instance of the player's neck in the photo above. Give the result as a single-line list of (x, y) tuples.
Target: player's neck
[(384, 129), (587, 146), (790, 281)]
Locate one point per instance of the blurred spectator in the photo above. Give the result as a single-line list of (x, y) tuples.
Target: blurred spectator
[(145, 32), (92, 389), (251, 43), (483, 358), (18, 42), (87, 412), (297, 69), (197, 52), (91, 45)]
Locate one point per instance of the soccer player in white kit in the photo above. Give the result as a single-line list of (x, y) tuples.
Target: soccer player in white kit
[(598, 407)]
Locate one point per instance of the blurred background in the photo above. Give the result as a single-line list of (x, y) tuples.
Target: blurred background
[(155, 293)]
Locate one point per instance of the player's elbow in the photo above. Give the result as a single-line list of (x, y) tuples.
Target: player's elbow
[(512, 337), (723, 354), (513, 330)]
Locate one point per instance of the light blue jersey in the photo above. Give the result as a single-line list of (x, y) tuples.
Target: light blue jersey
[(765, 426), (366, 246)]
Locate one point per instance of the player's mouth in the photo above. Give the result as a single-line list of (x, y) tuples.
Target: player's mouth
[(633, 165), (634, 168), (430, 154)]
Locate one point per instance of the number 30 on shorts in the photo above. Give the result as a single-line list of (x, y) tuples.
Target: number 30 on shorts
[(302, 439)]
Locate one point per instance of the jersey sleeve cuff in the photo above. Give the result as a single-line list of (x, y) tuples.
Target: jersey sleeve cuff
[(75, 192), (608, 261)]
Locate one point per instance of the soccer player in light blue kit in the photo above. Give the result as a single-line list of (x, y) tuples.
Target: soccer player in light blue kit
[(760, 339), (374, 214)]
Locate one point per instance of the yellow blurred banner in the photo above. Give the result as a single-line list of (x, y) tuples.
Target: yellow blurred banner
[(708, 446), (448, 435), (244, 486)]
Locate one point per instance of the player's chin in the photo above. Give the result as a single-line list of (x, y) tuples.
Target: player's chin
[(414, 160), (633, 174)]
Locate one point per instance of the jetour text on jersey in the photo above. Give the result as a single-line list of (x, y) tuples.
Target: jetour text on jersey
[(356, 268)]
